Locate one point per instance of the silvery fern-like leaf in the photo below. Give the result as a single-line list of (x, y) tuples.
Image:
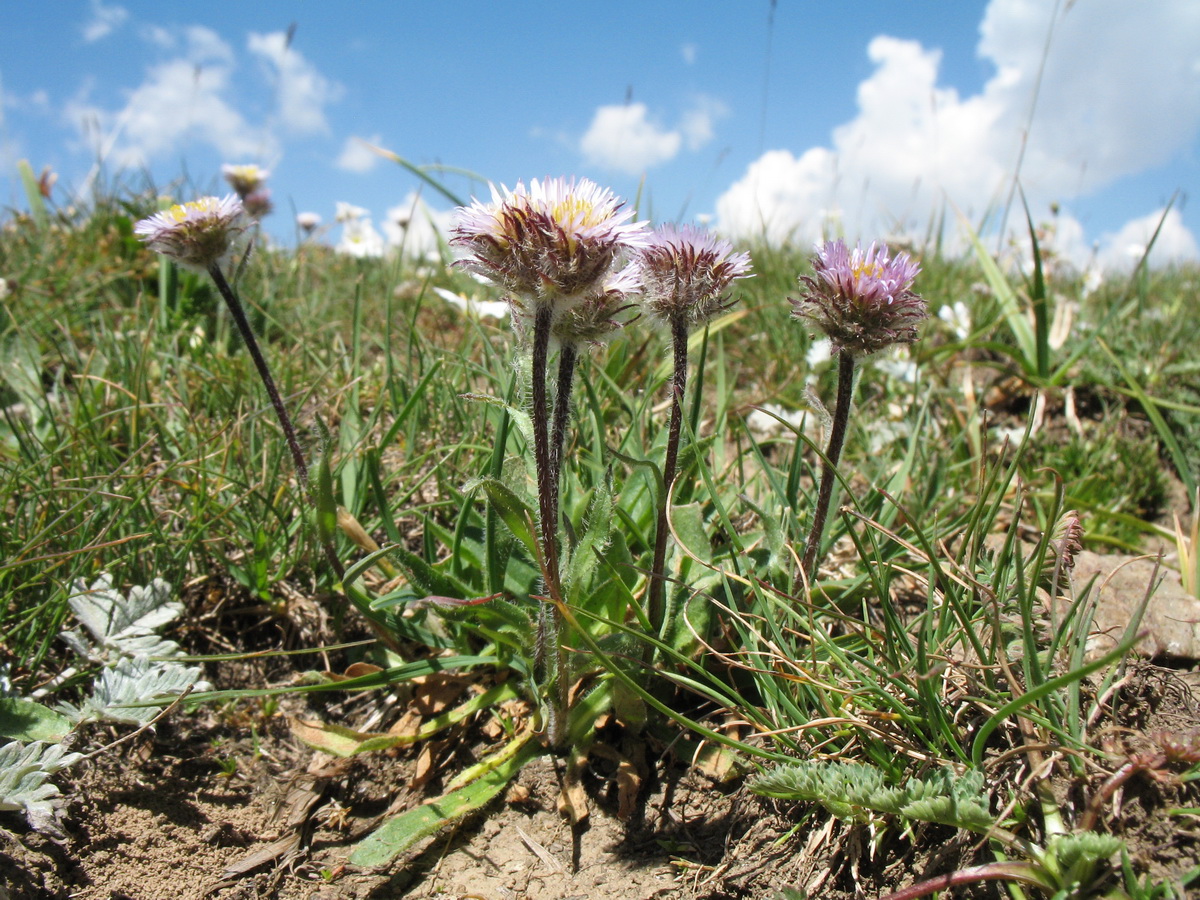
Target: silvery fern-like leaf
[(24, 770), (124, 625), (134, 681)]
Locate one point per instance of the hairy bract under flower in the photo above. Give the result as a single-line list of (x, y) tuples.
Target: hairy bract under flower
[(685, 273), (862, 299), (197, 234), (599, 317), (552, 243)]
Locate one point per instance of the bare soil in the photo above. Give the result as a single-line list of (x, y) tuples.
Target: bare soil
[(223, 802)]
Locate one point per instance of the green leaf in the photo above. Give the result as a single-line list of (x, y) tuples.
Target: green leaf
[(399, 833), (326, 513), (513, 511), (1007, 298), (24, 720), (33, 193), (688, 523)]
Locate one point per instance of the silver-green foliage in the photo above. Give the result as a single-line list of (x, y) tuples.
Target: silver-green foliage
[(138, 667), (854, 791), (24, 770), (123, 625)]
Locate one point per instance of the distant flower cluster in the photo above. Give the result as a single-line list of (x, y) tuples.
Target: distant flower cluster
[(250, 183)]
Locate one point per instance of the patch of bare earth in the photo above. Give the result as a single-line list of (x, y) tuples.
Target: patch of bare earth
[(225, 803)]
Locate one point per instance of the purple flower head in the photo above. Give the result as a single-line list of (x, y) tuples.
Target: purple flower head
[(258, 203), (554, 243), (863, 300), (198, 234), (685, 273)]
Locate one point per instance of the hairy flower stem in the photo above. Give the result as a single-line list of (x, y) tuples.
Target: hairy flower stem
[(285, 421), (837, 437), (658, 584), (567, 357), (548, 515)]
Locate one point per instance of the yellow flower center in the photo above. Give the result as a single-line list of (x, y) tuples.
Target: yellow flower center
[(181, 211), (862, 269)]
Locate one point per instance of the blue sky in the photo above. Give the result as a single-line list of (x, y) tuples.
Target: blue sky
[(784, 120)]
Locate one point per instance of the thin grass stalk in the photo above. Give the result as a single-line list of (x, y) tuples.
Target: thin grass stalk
[(658, 584), (837, 438), (285, 421)]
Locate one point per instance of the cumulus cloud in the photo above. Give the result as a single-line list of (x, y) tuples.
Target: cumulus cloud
[(915, 148), (190, 99), (688, 52), (626, 139), (181, 102), (697, 124), (356, 156), (104, 20), (303, 91), (1175, 243)]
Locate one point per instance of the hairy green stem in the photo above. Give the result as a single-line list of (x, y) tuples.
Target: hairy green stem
[(655, 606), (548, 515), (837, 437), (285, 421), (568, 354)]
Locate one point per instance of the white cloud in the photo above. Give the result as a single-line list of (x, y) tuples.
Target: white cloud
[(179, 104), (697, 123), (915, 148), (626, 139), (104, 20), (303, 91), (1174, 244), (688, 52), (356, 156), (191, 99)]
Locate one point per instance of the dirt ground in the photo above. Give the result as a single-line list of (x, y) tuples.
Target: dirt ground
[(223, 802)]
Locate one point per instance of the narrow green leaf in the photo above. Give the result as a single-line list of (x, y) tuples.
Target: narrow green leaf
[(403, 831), (513, 511)]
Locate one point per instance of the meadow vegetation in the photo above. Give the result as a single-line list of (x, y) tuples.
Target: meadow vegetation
[(933, 668)]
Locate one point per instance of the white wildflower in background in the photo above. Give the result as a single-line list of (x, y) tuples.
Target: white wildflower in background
[(348, 212), (957, 316), (473, 306), (899, 365), (360, 239)]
